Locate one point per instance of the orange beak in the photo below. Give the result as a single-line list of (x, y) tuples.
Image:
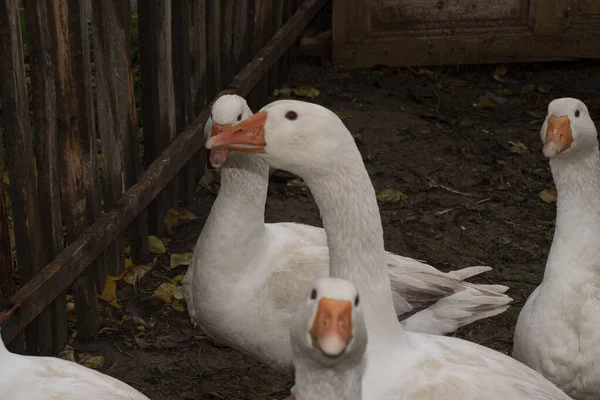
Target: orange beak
[(558, 135), (248, 136), (332, 328), (217, 156)]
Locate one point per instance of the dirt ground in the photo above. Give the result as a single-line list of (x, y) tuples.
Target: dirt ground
[(470, 167)]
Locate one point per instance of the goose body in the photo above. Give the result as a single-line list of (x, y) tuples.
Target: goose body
[(270, 266), (329, 338), (312, 142), (557, 330), (41, 378)]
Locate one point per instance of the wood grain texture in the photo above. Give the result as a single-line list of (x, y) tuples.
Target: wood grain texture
[(158, 106), (41, 29), (7, 284), (213, 47), (17, 138), (33, 297)]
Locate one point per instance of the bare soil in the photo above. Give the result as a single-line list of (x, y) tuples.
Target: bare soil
[(472, 177)]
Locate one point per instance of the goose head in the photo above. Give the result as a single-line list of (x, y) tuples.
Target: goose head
[(226, 110), (293, 135), (329, 327), (568, 129)]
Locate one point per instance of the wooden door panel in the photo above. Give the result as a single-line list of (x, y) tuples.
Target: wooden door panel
[(430, 32)]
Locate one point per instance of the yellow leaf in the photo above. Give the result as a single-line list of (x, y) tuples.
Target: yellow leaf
[(306, 91), (178, 305), (70, 307), (115, 304), (6, 179), (548, 195), (484, 102), (178, 293), (136, 273), (177, 279), (128, 263), (127, 250), (165, 292), (67, 354), (109, 293), (343, 115), (187, 216), (181, 259), (296, 182), (543, 88), (282, 91), (519, 148), (93, 362), (171, 218), (500, 73), (391, 196), (156, 246)]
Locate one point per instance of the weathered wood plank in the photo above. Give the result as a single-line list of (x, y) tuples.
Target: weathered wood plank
[(275, 18), (227, 25), (241, 17), (286, 61), (41, 29), (158, 106), (184, 111), (17, 137), (7, 284), (78, 169), (258, 95), (350, 26), (198, 54), (213, 47), (33, 297), (118, 122)]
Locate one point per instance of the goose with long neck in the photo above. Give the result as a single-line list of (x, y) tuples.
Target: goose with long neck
[(28, 377), (312, 142), (557, 330), (329, 338), (270, 266)]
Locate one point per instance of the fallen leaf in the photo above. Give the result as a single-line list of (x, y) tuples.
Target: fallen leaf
[(543, 88), (296, 182), (306, 91), (519, 148), (175, 218), (181, 259), (343, 115), (178, 305), (391, 196), (484, 102), (178, 293), (5, 179), (128, 263), (165, 292), (503, 92), (177, 279), (454, 83), (137, 272), (67, 354), (109, 293), (426, 72), (548, 195), (70, 307), (90, 361), (156, 246), (500, 73), (284, 90), (165, 241)]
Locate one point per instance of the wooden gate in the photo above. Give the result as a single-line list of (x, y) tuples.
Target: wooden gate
[(432, 32)]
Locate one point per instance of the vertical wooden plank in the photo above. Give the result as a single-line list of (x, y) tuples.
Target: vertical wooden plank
[(198, 71), (286, 61), (17, 136), (198, 54), (184, 112), (256, 98), (240, 39), (350, 26), (41, 31), (7, 284), (275, 18), (213, 47), (118, 122), (549, 18), (158, 106), (227, 56), (73, 125)]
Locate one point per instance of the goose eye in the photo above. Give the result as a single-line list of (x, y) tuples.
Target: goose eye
[(313, 294), (356, 301), (576, 113), (239, 118), (291, 115)]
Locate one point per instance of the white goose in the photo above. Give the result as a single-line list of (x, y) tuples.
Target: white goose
[(40, 378), (312, 142), (329, 339), (270, 266), (557, 331)]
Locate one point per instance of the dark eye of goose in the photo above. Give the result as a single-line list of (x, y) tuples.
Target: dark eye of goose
[(239, 118), (356, 301), (291, 115), (576, 113), (313, 294)]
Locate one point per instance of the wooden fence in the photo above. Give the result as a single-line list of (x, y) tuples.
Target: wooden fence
[(86, 165)]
